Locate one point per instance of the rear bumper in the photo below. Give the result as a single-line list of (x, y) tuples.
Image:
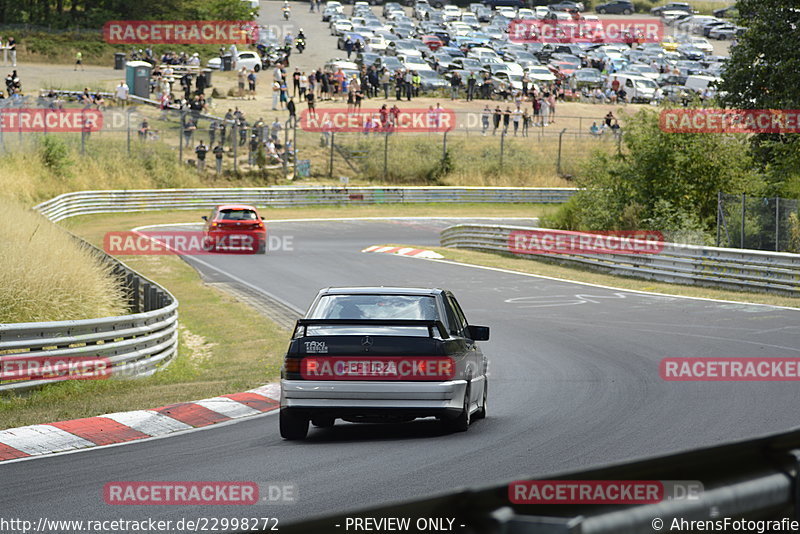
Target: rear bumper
[(343, 398)]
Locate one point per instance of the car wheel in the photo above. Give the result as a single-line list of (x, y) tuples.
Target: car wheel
[(602, 11), (323, 421), (262, 248), (257, 67), (293, 426), (626, 12), (481, 413), (460, 423)]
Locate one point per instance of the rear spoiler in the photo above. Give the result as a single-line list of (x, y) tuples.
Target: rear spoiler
[(429, 324)]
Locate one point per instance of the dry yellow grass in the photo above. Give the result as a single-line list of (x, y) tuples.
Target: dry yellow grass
[(46, 276)]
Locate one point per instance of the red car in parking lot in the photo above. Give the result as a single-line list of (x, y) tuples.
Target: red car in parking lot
[(432, 41), (235, 228)]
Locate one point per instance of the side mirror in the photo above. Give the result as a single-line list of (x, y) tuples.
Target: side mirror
[(478, 333), (263, 219), (205, 218)]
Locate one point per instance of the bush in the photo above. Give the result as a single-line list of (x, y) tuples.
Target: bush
[(54, 155)]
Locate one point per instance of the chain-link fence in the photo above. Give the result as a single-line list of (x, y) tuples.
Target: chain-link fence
[(472, 151), (758, 223)]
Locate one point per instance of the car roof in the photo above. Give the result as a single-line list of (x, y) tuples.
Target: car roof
[(381, 290), (235, 207)]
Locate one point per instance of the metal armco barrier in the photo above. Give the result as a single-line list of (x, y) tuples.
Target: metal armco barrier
[(754, 480), (132, 345), (92, 202), (752, 270)]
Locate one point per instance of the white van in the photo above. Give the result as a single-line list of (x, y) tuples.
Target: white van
[(637, 87), (698, 82)]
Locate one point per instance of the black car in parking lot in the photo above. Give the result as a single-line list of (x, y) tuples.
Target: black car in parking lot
[(616, 7)]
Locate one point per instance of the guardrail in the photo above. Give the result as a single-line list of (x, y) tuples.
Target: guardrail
[(129, 346), (772, 272), (93, 202), (751, 480)]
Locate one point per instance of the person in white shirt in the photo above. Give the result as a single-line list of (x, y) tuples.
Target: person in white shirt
[(121, 93)]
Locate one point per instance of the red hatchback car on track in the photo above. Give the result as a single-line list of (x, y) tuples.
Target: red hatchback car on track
[(235, 228)]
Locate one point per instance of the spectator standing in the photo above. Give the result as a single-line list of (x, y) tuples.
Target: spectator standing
[(526, 122), (471, 81), (276, 94), (241, 78), (201, 150), (12, 50), (296, 82), (251, 82), (121, 93), (506, 119), (498, 114), (545, 108), (516, 116), (218, 153), (455, 85), (290, 106), (312, 110), (485, 115), (78, 60)]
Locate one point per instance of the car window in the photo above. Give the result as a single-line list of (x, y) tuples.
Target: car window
[(375, 307), (238, 215), (458, 323)]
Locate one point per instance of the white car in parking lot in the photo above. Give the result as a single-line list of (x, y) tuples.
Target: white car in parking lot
[(247, 59)]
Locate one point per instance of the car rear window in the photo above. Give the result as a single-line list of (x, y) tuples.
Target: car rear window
[(237, 215), (375, 307)]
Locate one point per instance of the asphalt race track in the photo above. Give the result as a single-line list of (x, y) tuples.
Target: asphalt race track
[(574, 383)]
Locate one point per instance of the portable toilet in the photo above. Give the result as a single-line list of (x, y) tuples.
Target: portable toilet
[(137, 76)]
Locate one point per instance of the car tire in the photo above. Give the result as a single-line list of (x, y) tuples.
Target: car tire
[(323, 421), (262, 248), (602, 11), (461, 422), (481, 413), (257, 67), (293, 426), (627, 12)]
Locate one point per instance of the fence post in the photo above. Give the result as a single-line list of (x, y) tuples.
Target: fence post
[(719, 214), (128, 123), (285, 154), (502, 147), (386, 156), (558, 161), (777, 221), (444, 148), (741, 236), (235, 139), (181, 130), (330, 168)]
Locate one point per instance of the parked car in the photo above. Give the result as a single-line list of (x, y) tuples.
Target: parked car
[(589, 78), (637, 88), (624, 7), (672, 6), (699, 83), (566, 5), (249, 60)]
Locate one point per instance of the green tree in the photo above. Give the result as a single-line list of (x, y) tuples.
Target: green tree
[(764, 73), (662, 181)]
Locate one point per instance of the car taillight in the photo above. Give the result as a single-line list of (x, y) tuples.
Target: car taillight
[(260, 225), (292, 365), (214, 225)]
